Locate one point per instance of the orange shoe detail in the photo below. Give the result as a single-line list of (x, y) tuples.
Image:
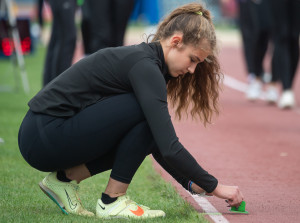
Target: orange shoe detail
[(138, 212)]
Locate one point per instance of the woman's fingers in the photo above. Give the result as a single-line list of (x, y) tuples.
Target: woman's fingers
[(233, 203), (232, 194), (236, 199)]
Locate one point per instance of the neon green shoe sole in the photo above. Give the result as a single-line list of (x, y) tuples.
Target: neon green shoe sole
[(53, 197)]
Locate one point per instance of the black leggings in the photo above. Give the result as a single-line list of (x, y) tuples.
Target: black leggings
[(62, 43), (111, 134), (286, 17), (246, 27), (261, 35), (104, 23)]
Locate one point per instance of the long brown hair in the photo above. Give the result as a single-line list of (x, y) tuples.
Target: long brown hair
[(197, 92)]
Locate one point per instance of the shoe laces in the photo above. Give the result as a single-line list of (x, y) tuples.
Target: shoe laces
[(128, 201), (74, 196), (131, 202)]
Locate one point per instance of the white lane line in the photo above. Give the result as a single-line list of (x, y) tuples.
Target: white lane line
[(210, 210), (235, 84), (238, 85), (242, 87)]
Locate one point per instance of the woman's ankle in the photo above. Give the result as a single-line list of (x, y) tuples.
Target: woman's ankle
[(106, 199)]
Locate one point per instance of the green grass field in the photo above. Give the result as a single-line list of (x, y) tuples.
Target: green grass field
[(21, 200)]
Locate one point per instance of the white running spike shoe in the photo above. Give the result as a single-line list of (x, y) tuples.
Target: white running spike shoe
[(123, 207), (271, 95), (287, 100), (254, 90), (65, 195)]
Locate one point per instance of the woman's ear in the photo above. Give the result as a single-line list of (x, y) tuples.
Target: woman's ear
[(176, 40)]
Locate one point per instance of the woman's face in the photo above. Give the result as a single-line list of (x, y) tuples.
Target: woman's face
[(183, 59)]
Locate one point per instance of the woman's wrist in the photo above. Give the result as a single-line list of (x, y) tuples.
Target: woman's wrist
[(190, 189), (195, 189)]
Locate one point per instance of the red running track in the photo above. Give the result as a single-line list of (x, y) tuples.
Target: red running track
[(253, 145)]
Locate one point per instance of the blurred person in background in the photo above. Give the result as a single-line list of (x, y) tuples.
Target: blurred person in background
[(62, 42), (276, 21), (104, 23), (260, 17), (110, 110), (245, 22), (255, 27), (285, 34), (40, 18)]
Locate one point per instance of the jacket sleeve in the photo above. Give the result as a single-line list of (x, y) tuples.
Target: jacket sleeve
[(150, 90), (180, 179)]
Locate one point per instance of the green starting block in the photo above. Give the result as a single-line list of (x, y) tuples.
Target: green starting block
[(241, 209)]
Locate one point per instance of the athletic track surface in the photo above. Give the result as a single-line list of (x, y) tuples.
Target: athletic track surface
[(253, 145)]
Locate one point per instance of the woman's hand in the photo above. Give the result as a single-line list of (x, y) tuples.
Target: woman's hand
[(232, 194)]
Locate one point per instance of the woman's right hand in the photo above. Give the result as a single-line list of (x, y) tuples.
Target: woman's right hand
[(232, 194)]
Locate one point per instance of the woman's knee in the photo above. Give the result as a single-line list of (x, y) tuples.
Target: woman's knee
[(128, 105)]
